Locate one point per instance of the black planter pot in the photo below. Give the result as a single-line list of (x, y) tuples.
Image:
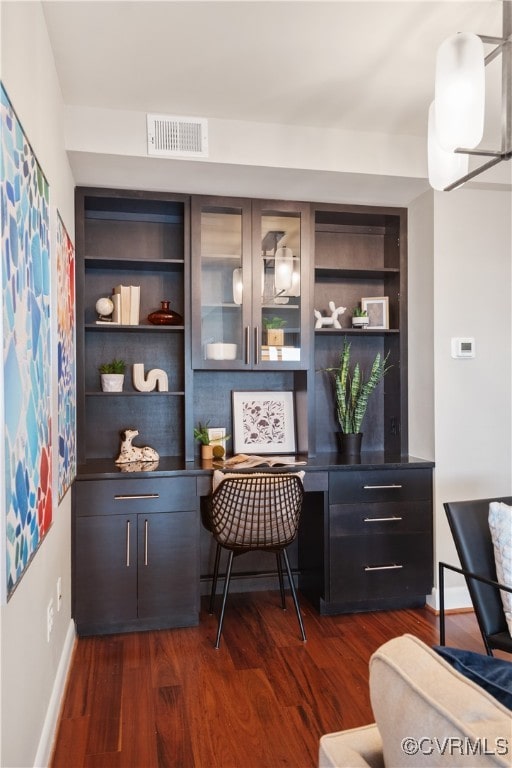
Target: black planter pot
[(350, 444)]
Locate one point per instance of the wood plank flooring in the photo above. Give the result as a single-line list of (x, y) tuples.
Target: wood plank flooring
[(169, 699)]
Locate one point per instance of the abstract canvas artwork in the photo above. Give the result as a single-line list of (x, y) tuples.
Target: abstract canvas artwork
[(24, 199), (66, 358)]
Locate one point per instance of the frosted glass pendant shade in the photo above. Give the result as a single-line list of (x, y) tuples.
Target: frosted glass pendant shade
[(443, 167), (460, 92), (283, 269)]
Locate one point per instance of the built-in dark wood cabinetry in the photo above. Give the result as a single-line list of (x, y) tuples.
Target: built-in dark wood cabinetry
[(361, 252), (228, 266)]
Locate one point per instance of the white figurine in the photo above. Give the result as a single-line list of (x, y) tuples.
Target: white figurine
[(326, 322), (155, 378), (131, 452)]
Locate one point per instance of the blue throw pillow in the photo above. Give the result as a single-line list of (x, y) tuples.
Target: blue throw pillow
[(494, 675)]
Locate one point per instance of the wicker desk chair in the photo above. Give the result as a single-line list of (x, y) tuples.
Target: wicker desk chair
[(255, 512)]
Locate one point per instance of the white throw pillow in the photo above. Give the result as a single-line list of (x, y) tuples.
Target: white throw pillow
[(500, 524)]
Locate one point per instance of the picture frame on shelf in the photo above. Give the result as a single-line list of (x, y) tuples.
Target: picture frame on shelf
[(263, 422), (377, 308)]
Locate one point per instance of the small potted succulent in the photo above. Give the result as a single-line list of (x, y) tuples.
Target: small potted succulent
[(112, 375), (202, 436), (360, 318), (274, 328)]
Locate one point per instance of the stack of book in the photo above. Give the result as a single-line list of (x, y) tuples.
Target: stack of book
[(126, 300), (280, 353)]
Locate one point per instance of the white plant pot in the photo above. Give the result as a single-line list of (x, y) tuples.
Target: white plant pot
[(360, 322), (112, 382)]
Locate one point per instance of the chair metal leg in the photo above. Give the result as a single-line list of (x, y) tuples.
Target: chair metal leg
[(294, 593), (224, 598), (215, 577), (281, 582), (441, 605)]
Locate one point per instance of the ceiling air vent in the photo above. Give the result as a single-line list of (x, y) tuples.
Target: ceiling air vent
[(170, 136)]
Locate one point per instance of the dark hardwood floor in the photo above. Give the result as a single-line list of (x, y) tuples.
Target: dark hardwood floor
[(168, 698)]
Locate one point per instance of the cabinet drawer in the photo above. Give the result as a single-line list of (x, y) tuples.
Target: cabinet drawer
[(373, 567), (380, 485), (159, 494), (380, 517)]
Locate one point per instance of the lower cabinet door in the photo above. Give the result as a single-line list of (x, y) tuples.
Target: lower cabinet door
[(168, 585), (105, 570)]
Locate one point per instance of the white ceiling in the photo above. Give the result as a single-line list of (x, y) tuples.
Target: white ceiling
[(363, 65)]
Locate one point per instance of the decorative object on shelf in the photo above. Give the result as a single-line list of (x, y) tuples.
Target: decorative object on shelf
[(274, 326), (360, 318), (156, 379), (202, 435), (238, 286), (263, 422), (220, 351), (139, 466), (218, 439), (112, 376), (165, 315), (332, 321), (352, 393), (456, 117), (129, 453), (126, 299), (104, 308), (377, 308)]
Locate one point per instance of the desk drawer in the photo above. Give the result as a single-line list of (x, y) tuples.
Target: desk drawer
[(380, 567), (380, 485), (159, 494), (387, 518)]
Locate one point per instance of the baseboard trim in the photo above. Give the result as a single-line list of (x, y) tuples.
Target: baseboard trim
[(52, 713), (456, 600)]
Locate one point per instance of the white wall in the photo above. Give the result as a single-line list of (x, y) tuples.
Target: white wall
[(31, 668)]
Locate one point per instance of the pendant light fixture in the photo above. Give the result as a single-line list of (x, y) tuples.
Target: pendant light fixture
[(456, 117)]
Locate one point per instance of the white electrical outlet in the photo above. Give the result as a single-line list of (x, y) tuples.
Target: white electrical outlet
[(59, 593), (49, 620)]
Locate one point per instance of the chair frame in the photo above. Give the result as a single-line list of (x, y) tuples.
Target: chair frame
[(498, 638), (234, 551)]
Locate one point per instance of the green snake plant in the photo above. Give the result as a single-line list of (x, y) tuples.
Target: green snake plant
[(352, 391)]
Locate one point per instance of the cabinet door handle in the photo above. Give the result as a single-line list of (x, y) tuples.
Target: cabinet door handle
[(145, 542), (383, 567), (382, 519), (247, 345), (380, 487), (127, 543), (125, 497), (257, 345)]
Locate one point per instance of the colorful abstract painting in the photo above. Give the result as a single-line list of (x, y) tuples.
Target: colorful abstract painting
[(24, 200), (66, 358)]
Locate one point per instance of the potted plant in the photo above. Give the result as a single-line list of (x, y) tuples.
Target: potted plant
[(352, 392), (202, 436), (360, 318), (274, 328), (112, 375)]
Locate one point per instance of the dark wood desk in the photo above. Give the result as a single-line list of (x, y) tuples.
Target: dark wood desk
[(141, 557)]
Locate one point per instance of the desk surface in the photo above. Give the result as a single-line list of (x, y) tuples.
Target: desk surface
[(169, 466)]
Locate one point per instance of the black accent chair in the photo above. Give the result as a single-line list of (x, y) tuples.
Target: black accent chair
[(470, 529), (255, 512)]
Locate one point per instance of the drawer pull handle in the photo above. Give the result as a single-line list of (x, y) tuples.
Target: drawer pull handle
[(382, 519), (125, 497), (145, 542), (127, 543), (380, 487), (383, 567)]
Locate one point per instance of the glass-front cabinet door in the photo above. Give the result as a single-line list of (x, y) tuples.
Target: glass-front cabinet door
[(248, 283), (280, 282)]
